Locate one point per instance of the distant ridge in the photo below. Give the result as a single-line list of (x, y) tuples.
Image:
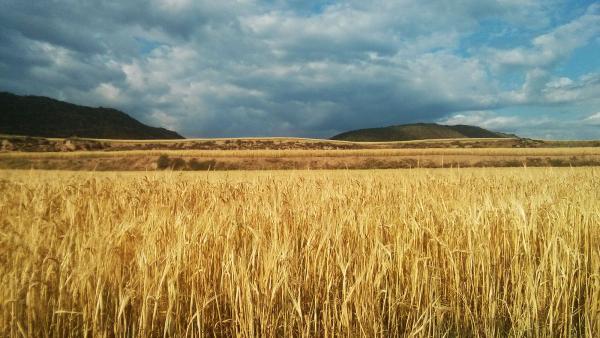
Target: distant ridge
[(417, 131), (46, 117)]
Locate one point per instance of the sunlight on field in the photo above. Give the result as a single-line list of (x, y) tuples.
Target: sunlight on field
[(574, 151), (489, 252)]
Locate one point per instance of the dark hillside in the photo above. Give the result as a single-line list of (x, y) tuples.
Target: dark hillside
[(417, 131), (46, 117)]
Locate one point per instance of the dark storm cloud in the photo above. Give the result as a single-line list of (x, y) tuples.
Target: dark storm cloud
[(305, 68)]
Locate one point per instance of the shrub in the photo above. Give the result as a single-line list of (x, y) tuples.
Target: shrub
[(178, 164), (194, 164), (163, 162)]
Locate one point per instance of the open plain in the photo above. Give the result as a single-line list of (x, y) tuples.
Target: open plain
[(289, 153)]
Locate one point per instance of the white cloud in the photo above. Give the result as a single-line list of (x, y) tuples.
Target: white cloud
[(593, 119), (549, 48), (569, 127), (108, 92), (485, 119), (542, 88), (164, 120)]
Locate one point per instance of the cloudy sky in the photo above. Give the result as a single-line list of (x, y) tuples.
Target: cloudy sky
[(313, 68)]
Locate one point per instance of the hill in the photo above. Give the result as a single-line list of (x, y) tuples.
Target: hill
[(46, 117), (417, 131)]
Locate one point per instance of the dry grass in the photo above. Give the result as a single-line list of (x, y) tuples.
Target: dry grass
[(294, 153), (275, 138), (490, 252), (263, 159), (37, 144)]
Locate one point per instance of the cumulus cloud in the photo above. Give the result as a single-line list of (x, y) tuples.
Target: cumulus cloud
[(485, 119), (549, 48), (307, 68), (536, 126), (540, 87), (593, 119)]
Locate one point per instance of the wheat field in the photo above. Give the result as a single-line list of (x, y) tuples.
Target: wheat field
[(420, 252)]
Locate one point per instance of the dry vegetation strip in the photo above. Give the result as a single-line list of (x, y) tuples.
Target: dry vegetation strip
[(292, 153), (490, 252), (301, 159), (38, 144)]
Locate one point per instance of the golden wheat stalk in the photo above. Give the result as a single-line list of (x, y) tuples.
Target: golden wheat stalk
[(453, 252)]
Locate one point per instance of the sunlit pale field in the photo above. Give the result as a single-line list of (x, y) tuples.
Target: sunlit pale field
[(416, 252)]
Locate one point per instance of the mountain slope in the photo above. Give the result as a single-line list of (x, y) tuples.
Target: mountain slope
[(417, 131), (46, 117)]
